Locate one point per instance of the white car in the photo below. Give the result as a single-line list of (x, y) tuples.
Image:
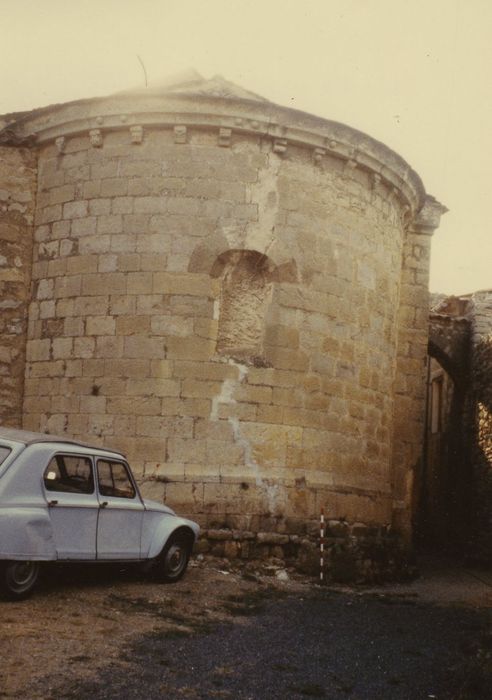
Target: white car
[(69, 502)]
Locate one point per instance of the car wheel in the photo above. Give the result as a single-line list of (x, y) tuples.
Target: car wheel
[(172, 562), (18, 578)]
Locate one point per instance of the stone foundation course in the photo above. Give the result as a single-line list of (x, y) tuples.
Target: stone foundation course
[(351, 554)]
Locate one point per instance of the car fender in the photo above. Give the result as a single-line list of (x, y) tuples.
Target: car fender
[(163, 527), (26, 533)]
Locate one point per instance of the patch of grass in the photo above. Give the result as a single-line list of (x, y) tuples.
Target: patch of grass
[(249, 577), (241, 610), (397, 601), (413, 652), (107, 616), (201, 627), (394, 680), (312, 690), (189, 628), (175, 633), (251, 603), (142, 605), (284, 667), (475, 674), (342, 684), (222, 671)]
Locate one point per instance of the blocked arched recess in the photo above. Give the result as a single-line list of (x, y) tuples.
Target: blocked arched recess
[(207, 252), (247, 284)]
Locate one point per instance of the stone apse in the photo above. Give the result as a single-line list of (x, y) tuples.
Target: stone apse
[(234, 294)]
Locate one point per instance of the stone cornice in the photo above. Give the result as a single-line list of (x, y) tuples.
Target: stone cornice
[(227, 117), (429, 217)]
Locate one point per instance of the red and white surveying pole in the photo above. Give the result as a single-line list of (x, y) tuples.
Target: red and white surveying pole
[(321, 545)]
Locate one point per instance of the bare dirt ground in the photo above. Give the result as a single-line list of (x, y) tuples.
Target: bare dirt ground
[(81, 620)]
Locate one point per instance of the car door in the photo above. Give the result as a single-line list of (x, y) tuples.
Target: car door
[(73, 505), (121, 511)]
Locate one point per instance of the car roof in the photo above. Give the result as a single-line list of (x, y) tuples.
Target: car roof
[(26, 437)]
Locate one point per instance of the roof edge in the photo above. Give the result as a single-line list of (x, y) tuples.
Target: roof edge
[(198, 104)]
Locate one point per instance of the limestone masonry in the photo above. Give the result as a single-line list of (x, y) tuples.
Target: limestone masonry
[(233, 293)]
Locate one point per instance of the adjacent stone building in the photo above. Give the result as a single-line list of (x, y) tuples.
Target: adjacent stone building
[(233, 293), (454, 500)]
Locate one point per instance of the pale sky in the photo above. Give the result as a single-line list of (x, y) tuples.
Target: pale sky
[(415, 75)]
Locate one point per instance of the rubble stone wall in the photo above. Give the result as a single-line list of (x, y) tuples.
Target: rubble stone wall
[(481, 428), (17, 197)]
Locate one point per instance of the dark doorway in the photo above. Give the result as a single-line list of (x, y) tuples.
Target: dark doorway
[(442, 514)]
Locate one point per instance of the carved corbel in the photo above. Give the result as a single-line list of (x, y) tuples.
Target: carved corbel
[(279, 146), (375, 181), (180, 134), (95, 137), (225, 137), (318, 155), (349, 166), (60, 144), (136, 134), (394, 194)]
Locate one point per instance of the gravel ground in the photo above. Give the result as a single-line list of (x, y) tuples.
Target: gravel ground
[(241, 631), (326, 645)]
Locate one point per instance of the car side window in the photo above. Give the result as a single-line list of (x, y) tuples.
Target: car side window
[(69, 474), (4, 453), (114, 480)]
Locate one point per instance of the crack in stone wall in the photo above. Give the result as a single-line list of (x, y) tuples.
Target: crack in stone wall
[(226, 396)]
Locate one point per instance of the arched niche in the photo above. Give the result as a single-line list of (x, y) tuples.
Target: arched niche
[(208, 254), (247, 278)]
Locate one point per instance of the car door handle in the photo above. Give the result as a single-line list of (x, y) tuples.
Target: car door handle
[(52, 503), (103, 504)]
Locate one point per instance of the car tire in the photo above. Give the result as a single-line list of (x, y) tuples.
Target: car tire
[(18, 578), (172, 562)]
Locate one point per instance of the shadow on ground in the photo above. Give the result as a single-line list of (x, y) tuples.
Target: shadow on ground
[(325, 644)]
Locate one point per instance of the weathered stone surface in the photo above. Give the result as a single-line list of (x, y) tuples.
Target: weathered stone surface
[(243, 535), (219, 534), (263, 300), (271, 538), (17, 199)]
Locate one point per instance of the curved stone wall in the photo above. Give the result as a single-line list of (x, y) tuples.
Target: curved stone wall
[(234, 294), (133, 285)]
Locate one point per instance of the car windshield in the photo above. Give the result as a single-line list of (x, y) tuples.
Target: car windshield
[(4, 453)]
